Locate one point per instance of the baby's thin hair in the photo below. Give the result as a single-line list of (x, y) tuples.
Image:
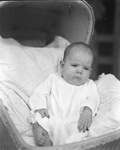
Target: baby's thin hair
[(76, 45)]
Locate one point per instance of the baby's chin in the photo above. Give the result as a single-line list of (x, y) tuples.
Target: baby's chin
[(76, 83)]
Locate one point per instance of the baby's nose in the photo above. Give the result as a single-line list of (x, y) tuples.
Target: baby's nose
[(79, 70)]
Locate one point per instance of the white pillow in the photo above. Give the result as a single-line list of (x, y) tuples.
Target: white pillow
[(26, 67), (108, 117)]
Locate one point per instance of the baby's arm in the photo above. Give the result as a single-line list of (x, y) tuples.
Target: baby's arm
[(43, 112), (90, 107), (85, 119)]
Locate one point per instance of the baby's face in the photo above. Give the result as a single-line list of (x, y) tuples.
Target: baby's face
[(76, 68)]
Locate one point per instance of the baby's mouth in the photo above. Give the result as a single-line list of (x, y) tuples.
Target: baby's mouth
[(79, 77)]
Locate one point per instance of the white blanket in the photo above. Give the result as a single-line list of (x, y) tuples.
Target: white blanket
[(108, 117), (26, 67), (22, 69), (16, 103)]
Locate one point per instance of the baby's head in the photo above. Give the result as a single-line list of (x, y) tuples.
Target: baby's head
[(77, 63)]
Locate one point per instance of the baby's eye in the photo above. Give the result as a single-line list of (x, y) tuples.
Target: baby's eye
[(86, 68), (74, 65)]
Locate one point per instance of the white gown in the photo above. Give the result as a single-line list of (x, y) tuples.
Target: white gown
[(64, 103)]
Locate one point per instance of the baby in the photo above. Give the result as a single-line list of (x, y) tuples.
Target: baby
[(65, 103)]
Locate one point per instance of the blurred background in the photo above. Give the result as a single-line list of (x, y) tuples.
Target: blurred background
[(106, 38)]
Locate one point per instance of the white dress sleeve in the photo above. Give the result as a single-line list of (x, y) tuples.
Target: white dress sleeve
[(92, 99), (39, 97)]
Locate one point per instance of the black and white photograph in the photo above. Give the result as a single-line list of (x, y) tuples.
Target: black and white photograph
[(60, 75)]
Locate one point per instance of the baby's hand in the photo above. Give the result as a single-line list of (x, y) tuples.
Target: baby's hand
[(85, 120), (43, 112)]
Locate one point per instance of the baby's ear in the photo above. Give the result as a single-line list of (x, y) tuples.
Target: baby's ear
[(61, 63), (91, 70)]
